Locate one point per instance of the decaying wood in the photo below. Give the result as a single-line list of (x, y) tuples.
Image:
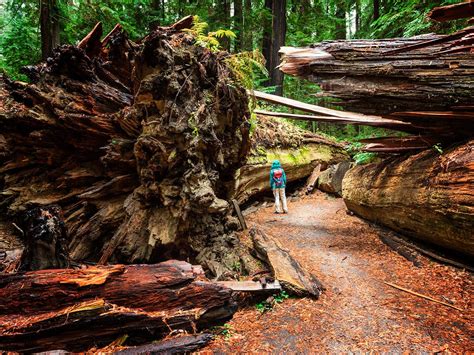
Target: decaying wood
[(452, 12), (75, 309), (424, 81), (311, 183), (179, 345), (137, 143), (239, 214), (398, 144), (401, 249), (284, 267), (45, 239), (427, 196), (421, 295), (298, 151)]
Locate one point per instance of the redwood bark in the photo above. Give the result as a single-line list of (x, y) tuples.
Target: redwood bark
[(49, 25), (76, 309), (427, 196)]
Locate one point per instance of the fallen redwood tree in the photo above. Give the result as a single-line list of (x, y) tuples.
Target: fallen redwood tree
[(76, 309), (427, 196), (137, 143), (298, 150), (425, 82)]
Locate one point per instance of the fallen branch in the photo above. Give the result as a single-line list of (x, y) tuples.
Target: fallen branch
[(422, 296)]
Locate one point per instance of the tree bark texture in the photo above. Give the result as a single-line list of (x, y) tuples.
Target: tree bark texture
[(427, 196), (49, 26), (426, 81), (76, 309), (136, 143)]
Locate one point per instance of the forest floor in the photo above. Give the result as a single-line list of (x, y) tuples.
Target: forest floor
[(357, 312)]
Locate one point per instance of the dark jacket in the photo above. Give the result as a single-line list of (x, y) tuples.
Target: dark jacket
[(276, 165)]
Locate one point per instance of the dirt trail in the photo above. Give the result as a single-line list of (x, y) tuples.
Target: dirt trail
[(358, 312)]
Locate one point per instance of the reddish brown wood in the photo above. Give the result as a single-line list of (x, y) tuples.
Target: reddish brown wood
[(74, 309), (452, 12)]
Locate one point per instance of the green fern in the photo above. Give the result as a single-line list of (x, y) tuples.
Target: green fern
[(210, 39), (246, 66)]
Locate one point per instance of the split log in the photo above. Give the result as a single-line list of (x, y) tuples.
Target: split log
[(298, 151), (336, 116), (425, 81), (77, 309), (427, 196), (452, 12), (330, 180), (137, 143), (284, 267)]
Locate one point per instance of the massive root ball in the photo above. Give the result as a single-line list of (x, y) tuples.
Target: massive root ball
[(138, 144)]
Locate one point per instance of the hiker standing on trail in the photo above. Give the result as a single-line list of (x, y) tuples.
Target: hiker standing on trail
[(278, 184)]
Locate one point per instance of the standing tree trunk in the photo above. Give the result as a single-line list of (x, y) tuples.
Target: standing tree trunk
[(279, 34), (376, 9), (238, 25), (340, 30), (49, 23), (247, 35), (267, 36), (274, 34)]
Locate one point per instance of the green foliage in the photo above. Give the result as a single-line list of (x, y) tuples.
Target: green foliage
[(208, 39), (225, 331), (268, 304), (438, 148), (246, 67)]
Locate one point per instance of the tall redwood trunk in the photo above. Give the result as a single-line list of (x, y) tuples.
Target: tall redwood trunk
[(238, 25), (247, 35), (49, 24), (267, 36), (279, 34), (376, 9), (340, 30)]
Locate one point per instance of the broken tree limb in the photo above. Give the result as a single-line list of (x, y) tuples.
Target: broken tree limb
[(239, 214), (252, 286), (422, 296), (284, 267), (335, 115), (75, 309), (427, 196), (311, 183)]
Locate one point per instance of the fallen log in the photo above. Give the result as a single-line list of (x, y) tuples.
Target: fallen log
[(284, 267), (452, 12), (298, 151), (428, 196), (77, 309), (424, 81)]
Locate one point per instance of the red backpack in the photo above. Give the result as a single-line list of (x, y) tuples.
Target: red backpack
[(278, 178)]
